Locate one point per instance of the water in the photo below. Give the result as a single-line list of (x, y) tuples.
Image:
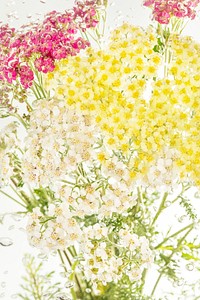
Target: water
[(6, 242)]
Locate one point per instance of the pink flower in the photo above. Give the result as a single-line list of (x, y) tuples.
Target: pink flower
[(44, 64), (44, 43), (162, 17), (163, 10), (26, 76)]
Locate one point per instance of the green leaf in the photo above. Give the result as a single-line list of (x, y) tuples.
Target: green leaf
[(188, 256)]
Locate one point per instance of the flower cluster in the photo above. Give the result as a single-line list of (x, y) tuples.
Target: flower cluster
[(101, 264), (60, 229), (58, 140), (8, 146), (42, 44), (164, 10), (139, 113)]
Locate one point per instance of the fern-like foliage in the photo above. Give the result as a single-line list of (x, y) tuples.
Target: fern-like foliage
[(189, 209), (37, 285)]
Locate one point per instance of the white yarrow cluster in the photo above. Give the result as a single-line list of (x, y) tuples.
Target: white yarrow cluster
[(8, 147), (58, 139), (164, 175)]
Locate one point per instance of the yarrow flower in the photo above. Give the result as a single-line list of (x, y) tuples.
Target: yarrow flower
[(164, 10), (44, 43), (111, 86), (8, 149)]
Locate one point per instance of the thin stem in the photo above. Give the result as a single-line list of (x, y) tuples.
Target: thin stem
[(13, 199), (21, 196), (144, 274), (35, 284), (169, 259), (76, 277), (62, 260), (156, 284), (20, 119), (173, 235), (140, 200), (161, 207)]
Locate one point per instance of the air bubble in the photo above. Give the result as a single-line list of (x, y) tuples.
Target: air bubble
[(17, 217), (69, 285), (2, 295), (180, 282), (43, 1), (190, 267), (42, 256), (11, 227), (62, 296), (182, 218), (22, 229), (167, 203), (88, 290), (3, 284), (4, 241)]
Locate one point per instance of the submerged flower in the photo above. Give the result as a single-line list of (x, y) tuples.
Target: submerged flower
[(164, 10)]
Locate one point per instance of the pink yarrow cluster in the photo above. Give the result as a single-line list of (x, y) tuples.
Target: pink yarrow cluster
[(163, 10), (42, 44)]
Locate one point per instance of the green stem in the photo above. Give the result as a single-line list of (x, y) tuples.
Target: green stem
[(156, 284), (169, 259), (140, 200), (35, 285), (144, 274), (20, 119), (21, 195), (62, 260), (63, 263), (161, 207), (13, 199), (173, 235), (76, 277)]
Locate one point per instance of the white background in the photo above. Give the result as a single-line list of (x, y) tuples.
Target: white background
[(19, 12)]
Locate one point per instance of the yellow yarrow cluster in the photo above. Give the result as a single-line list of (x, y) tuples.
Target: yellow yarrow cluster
[(134, 107)]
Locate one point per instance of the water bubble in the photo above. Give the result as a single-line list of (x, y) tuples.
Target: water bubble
[(4, 241), (197, 195), (2, 218), (11, 227), (42, 256), (3, 284), (88, 290), (167, 203), (80, 267), (182, 218), (69, 285), (138, 215), (22, 229), (190, 267), (180, 282), (17, 217), (46, 296), (2, 295), (62, 296)]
